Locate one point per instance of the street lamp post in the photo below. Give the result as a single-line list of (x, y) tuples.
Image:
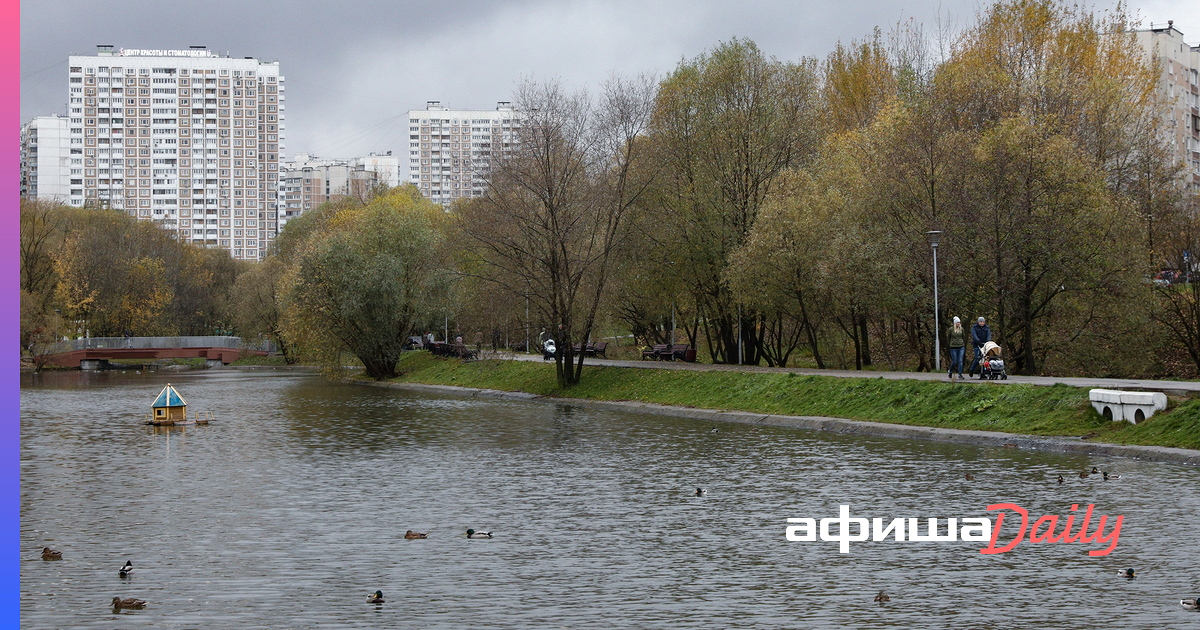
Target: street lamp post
[(934, 237)]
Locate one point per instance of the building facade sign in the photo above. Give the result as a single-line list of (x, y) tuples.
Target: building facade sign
[(154, 52)]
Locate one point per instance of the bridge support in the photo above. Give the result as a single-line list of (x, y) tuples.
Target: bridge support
[(93, 365)]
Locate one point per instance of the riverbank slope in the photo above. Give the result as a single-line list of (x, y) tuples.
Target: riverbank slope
[(1058, 410)]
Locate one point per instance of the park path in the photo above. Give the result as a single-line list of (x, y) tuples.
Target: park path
[(1172, 388)]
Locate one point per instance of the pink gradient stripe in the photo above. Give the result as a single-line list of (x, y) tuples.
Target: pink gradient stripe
[(10, 314)]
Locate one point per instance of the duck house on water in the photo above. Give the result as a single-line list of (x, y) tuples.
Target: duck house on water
[(170, 408)]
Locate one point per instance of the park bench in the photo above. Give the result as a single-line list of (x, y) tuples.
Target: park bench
[(682, 352), (592, 349), (657, 351)]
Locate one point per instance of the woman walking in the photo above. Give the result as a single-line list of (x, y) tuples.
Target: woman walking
[(958, 348)]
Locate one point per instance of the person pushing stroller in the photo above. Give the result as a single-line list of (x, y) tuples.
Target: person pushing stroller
[(980, 334)]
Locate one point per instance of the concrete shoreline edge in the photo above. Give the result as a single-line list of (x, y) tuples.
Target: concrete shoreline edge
[(833, 425)]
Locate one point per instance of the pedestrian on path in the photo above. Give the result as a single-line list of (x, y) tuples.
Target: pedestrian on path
[(980, 334), (958, 348)]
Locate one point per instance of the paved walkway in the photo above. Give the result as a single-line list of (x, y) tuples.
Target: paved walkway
[(1173, 388)]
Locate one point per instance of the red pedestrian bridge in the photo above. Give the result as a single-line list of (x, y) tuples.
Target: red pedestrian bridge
[(95, 352)]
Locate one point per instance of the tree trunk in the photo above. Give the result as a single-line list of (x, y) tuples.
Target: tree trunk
[(866, 348)]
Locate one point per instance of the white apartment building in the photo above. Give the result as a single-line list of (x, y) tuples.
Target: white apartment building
[(306, 182), (385, 166), (1180, 86), (451, 150), (184, 138), (46, 159)]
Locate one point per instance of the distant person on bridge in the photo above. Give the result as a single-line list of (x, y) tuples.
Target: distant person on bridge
[(980, 334)]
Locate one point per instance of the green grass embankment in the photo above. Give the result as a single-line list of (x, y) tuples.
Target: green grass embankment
[(1060, 410)]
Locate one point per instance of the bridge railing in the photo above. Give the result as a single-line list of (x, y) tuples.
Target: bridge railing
[(141, 343)]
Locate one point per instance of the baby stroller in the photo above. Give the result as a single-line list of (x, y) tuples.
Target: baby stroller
[(992, 365), (548, 349)]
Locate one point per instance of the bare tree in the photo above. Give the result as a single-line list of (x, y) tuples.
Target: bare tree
[(40, 224), (553, 213)]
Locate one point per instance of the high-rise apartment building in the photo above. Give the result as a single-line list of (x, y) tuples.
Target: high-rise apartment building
[(385, 166), (306, 182), (452, 150), (46, 159), (184, 138), (1180, 87)]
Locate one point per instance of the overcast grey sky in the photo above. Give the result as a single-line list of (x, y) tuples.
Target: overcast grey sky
[(354, 68)]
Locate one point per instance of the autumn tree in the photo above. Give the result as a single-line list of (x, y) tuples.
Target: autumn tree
[(256, 304), (1055, 100), (726, 126)]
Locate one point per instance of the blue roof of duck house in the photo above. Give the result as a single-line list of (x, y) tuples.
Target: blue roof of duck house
[(169, 398)]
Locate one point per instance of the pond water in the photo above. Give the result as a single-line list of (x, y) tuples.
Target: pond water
[(291, 507)]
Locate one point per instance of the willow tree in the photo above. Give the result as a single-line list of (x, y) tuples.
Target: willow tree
[(554, 211), (364, 277), (726, 125)]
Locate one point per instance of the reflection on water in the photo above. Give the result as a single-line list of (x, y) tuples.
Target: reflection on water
[(292, 507)]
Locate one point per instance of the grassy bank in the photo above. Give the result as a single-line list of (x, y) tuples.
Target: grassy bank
[(1026, 409)]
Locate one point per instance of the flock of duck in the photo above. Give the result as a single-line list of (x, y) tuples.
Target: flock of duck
[(377, 597), (118, 604), (1129, 574), (131, 603), (1105, 475)]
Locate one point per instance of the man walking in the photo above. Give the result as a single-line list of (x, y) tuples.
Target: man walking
[(980, 334)]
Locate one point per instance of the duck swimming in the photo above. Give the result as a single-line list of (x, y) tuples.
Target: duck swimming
[(1127, 573), (701, 492), (1095, 470), (1108, 476), (1083, 475), (474, 534), (1190, 604), (882, 597), (714, 430), (129, 603), (1060, 479), (51, 554), (125, 570), (377, 598), (970, 477), (411, 535)]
